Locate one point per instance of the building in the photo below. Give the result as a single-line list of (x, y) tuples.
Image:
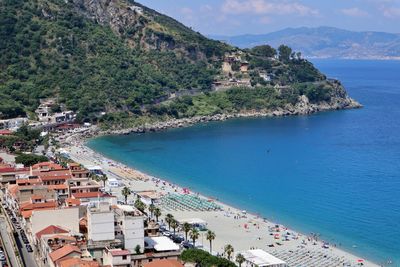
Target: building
[(129, 226), (261, 258), (156, 248), (117, 257), (63, 253), (13, 124), (67, 218), (100, 219), (244, 66)]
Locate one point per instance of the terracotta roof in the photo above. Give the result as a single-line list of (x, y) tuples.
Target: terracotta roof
[(52, 229), (50, 165), (5, 132), (119, 252), (75, 262), (35, 206), (13, 189), (73, 202), (164, 263), (8, 169), (36, 197), (63, 252), (26, 214)]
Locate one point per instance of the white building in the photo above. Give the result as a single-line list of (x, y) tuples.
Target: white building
[(117, 257), (130, 223), (13, 124), (261, 258), (100, 222)]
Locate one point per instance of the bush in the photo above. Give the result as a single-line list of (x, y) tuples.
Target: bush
[(204, 259)]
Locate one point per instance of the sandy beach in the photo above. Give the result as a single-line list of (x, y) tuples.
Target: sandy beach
[(231, 225)]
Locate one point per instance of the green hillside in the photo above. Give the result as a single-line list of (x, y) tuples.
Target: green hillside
[(120, 57)]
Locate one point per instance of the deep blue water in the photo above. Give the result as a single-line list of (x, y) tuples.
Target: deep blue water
[(335, 173)]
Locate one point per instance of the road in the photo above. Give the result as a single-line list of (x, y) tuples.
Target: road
[(28, 258), (8, 244)]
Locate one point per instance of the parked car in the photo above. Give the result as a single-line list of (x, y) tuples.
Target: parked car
[(166, 233), (177, 238), (29, 248), (187, 244)]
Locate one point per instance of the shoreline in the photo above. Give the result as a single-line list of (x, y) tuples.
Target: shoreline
[(149, 182), (303, 108)]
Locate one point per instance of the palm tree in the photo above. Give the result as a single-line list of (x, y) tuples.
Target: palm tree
[(104, 178), (168, 218), (194, 234), (152, 207), (157, 213), (228, 251), (210, 237), (126, 192), (240, 259), (186, 227), (140, 205), (174, 225)]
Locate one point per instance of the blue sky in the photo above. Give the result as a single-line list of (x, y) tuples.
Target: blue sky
[(232, 17)]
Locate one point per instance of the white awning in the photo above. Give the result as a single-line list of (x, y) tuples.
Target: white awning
[(160, 243)]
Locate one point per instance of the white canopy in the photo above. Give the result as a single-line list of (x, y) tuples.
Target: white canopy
[(193, 221), (261, 258), (160, 243)]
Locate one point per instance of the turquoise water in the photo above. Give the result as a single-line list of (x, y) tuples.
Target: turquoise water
[(335, 173)]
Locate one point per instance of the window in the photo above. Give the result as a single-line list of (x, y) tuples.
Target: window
[(124, 257)]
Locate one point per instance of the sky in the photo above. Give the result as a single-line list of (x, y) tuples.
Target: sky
[(234, 17)]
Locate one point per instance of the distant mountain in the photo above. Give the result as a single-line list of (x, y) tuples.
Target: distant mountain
[(326, 42)]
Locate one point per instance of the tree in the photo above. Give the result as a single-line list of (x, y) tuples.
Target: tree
[(126, 192), (104, 179), (210, 237), (157, 213), (240, 259), (284, 53), (174, 225), (140, 205), (186, 227), (138, 249), (194, 235), (152, 207), (168, 218), (203, 258), (264, 51), (228, 251), (30, 159)]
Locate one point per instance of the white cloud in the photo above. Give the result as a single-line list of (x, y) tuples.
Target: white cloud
[(263, 7), (391, 12), (354, 12)]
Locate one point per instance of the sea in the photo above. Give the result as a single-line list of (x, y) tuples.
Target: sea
[(333, 173)]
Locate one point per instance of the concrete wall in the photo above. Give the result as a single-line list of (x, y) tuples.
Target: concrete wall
[(66, 218), (133, 228), (101, 225)]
